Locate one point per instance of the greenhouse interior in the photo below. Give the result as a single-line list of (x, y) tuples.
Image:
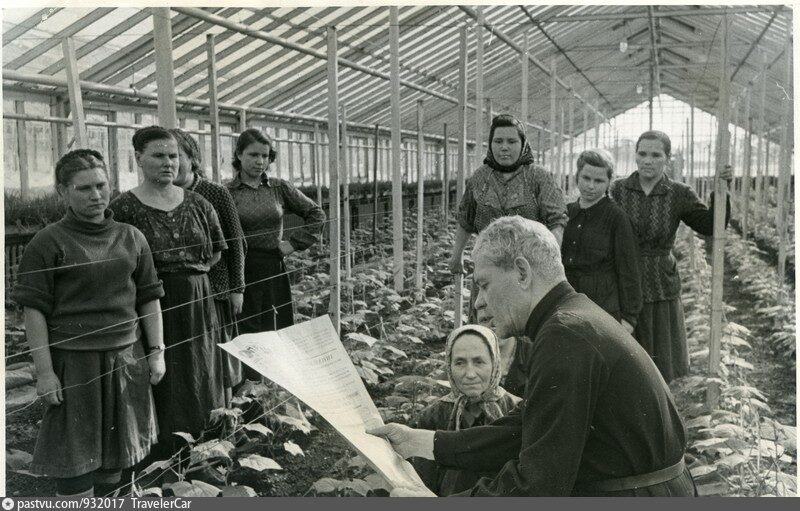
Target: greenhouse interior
[(380, 115)]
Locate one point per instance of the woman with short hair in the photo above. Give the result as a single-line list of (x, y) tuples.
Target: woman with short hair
[(186, 238), (600, 252), (87, 283)]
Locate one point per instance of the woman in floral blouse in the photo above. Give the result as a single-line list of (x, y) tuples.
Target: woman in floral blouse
[(184, 234), (507, 184), (261, 201), (656, 206)]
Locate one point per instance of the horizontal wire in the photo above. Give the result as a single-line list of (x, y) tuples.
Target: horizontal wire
[(182, 247), (85, 334)]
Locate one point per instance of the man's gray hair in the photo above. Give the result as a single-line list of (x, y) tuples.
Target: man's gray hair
[(510, 237)]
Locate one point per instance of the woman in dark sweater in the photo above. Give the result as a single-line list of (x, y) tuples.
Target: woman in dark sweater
[(600, 252), (85, 283), (227, 276)]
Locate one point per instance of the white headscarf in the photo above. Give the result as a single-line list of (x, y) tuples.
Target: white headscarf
[(488, 399)]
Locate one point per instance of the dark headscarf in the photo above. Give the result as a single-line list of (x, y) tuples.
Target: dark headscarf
[(525, 155)]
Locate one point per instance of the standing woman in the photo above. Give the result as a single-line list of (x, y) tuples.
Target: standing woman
[(600, 252), (656, 206), (227, 276), (85, 282), (261, 201), (185, 236), (506, 184)]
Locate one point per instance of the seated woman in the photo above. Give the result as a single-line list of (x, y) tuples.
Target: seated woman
[(475, 399), (600, 251)]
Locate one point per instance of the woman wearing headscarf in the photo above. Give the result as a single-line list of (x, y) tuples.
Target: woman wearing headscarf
[(507, 184), (227, 276), (473, 364), (656, 206)]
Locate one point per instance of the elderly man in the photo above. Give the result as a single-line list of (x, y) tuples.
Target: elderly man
[(597, 418)]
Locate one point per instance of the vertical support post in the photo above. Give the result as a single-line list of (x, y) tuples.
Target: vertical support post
[(75, 98), (571, 129), (420, 191), (375, 187), (345, 173), (22, 151), (560, 157), (760, 164), (242, 117), (553, 112), (596, 124), (113, 152), (720, 191), (333, 187), (397, 177), (585, 123), (462, 158), (316, 155), (446, 175), (784, 168), (748, 160), (165, 81), (479, 119), (54, 112), (213, 108), (524, 74), (650, 100), (61, 129), (691, 143)]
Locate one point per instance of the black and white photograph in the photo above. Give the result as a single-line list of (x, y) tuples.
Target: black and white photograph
[(374, 249)]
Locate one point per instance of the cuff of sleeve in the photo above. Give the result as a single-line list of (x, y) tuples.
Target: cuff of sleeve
[(631, 320), (34, 298), (301, 241), (444, 447), (558, 222), (149, 293)]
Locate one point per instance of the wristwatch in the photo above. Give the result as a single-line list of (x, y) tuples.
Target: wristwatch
[(157, 347)]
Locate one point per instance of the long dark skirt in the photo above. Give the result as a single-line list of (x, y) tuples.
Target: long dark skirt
[(193, 384), (228, 330), (266, 286), (662, 332), (106, 420)]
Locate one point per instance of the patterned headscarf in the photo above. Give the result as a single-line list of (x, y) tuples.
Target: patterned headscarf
[(525, 155), (490, 396)]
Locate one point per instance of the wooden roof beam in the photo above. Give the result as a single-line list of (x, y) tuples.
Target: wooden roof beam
[(503, 37), (755, 43), (53, 41), (654, 49), (628, 14), (230, 25), (99, 42), (28, 23), (564, 53)]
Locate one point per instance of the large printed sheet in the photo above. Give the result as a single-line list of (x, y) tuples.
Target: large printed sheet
[(309, 361)]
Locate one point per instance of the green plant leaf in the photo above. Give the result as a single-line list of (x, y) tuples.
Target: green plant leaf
[(239, 490), (192, 489), (293, 449), (259, 463), (258, 428), (186, 436), (366, 339), (18, 460), (326, 485), (212, 449)]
